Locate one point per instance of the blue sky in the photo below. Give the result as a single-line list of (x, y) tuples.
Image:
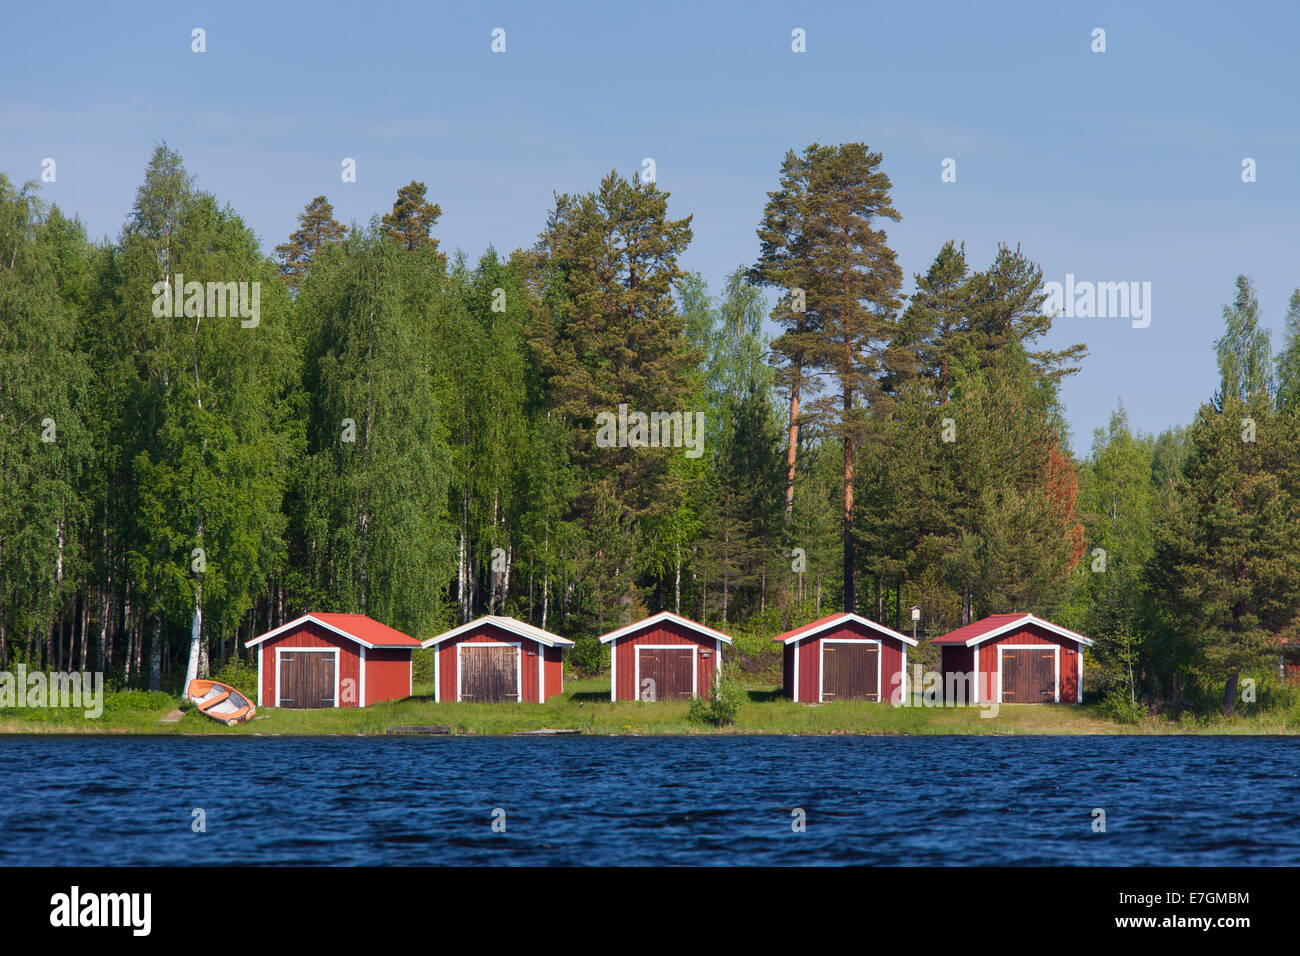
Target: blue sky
[(1115, 166)]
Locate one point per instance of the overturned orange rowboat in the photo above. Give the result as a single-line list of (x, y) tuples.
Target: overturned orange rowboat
[(220, 702)]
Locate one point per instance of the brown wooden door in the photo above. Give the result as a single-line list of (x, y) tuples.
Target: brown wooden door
[(306, 679), (850, 671), (489, 673), (666, 673), (1028, 676)]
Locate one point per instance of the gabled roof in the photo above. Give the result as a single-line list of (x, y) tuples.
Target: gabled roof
[(365, 631), (510, 624), (835, 620), (995, 625), (659, 619)]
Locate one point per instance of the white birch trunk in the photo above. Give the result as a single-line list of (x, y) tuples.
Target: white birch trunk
[(546, 597), (677, 583), (196, 627)]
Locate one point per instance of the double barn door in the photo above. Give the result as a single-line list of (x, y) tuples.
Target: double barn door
[(1028, 675), (489, 673), (850, 670), (665, 673), (307, 679)]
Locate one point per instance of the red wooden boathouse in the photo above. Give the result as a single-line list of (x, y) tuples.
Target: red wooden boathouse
[(844, 657), (1014, 658), (664, 657), (332, 660), (497, 659)]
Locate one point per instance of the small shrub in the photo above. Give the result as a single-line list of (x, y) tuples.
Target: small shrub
[(127, 702), (588, 656), (239, 674), (722, 707), (1272, 694), (751, 643), (1120, 708)]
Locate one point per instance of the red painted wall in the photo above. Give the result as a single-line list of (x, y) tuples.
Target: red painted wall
[(529, 650), (310, 634), (809, 659), (664, 632), (554, 671), (388, 675)]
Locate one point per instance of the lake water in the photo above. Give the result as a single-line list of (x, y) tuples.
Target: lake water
[(650, 800)]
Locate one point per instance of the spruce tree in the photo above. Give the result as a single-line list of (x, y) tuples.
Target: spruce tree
[(1005, 307), (927, 346), (1225, 563)]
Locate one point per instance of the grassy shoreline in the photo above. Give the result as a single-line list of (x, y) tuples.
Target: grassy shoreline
[(585, 706)]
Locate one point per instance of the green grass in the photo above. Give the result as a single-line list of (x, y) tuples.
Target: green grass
[(585, 706)]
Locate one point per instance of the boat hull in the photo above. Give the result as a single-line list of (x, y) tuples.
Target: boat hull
[(220, 702)]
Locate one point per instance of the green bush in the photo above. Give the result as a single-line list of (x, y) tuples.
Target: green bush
[(1120, 708), (722, 707), (754, 639), (239, 674), (588, 656), (128, 702), (1271, 694)]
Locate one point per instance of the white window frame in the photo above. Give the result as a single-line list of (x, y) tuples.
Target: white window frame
[(541, 672), (613, 673)]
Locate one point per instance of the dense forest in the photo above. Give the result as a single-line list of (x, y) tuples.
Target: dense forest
[(382, 428)]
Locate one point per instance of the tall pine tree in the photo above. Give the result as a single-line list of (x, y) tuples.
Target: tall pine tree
[(316, 227), (609, 334)]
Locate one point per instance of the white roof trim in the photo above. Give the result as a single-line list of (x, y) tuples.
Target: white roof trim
[(514, 626), (1030, 619), (839, 619), (665, 616), (329, 627)]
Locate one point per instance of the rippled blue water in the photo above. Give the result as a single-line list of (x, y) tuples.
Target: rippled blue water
[(647, 800)]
